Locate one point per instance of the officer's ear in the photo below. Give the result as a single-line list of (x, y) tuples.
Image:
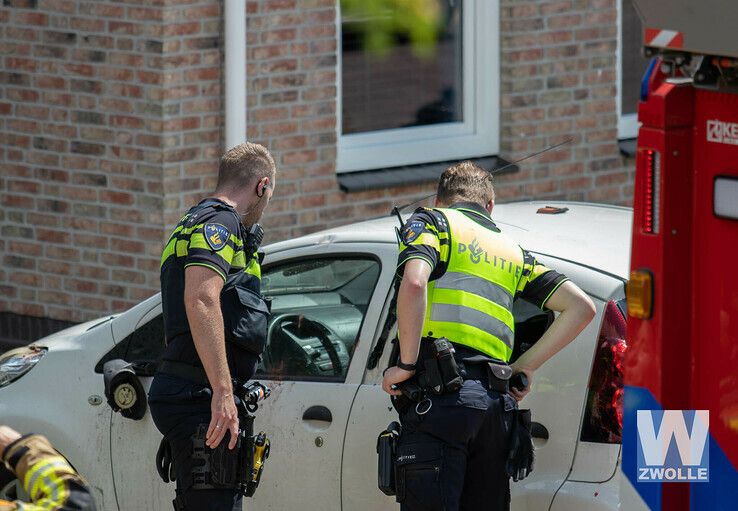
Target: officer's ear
[(261, 186), (490, 206)]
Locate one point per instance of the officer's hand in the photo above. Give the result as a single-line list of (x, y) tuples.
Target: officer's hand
[(393, 376), (7, 436), (520, 394), (224, 417)]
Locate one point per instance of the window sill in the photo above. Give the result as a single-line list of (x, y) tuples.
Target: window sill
[(628, 147), (406, 175)]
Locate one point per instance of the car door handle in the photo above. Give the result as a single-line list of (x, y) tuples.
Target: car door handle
[(317, 413), (538, 430)]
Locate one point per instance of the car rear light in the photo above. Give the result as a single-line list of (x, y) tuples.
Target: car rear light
[(603, 416), (640, 294), (651, 192)]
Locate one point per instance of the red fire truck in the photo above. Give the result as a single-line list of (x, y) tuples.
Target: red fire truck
[(683, 291)]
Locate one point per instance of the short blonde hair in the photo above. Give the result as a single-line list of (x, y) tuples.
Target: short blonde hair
[(466, 181), (245, 164)]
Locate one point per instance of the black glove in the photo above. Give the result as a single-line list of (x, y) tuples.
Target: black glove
[(164, 465), (520, 456)]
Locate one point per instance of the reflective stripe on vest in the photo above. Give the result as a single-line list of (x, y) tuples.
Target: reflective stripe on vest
[(471, 304)]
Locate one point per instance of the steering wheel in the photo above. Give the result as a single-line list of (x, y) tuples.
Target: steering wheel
[(310, 328)]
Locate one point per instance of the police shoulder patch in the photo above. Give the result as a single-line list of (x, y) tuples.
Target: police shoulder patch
[(411, 231), (216, 235)]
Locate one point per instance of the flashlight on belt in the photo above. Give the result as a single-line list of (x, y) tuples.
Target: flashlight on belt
[(251, 393)]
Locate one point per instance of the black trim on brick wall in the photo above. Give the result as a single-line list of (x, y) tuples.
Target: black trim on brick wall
[(363, 180), (628, 146), (19, 330)]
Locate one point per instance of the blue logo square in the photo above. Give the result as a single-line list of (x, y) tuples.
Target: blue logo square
[(673, 446)]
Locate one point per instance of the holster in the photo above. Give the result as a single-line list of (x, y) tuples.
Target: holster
[(228, 468), (386, 450), (438, 374)]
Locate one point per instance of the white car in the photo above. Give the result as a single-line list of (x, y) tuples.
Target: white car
[(327, 407)]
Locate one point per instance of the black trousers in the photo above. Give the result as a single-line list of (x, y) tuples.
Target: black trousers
[(177, 412), (453, 457)]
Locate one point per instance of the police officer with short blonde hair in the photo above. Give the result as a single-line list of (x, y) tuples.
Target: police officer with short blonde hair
[(460, 275), (192, 394)]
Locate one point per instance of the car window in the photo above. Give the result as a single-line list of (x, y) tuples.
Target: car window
[(318, 306), (144, 344)]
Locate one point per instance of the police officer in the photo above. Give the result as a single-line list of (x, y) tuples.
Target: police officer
[(193, 386), (460, 275), (46, 475)]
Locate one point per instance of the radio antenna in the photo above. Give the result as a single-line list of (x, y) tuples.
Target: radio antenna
[(398, 209)]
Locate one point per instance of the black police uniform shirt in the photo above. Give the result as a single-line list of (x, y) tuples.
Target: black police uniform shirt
[(539, 282), (211, 238)]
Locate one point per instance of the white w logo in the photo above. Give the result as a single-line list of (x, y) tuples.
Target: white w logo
[(655, 446)]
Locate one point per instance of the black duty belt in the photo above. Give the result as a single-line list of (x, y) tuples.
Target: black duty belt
[(188, 372)]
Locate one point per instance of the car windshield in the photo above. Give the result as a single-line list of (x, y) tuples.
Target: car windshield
[(313, 276)]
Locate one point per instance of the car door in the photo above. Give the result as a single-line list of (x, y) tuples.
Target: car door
[(134, 443), (326, 303)]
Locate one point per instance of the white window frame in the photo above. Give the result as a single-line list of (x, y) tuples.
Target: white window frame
[(627, 124), (477, 135)]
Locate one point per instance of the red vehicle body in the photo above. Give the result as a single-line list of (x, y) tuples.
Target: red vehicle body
[(685, 235)]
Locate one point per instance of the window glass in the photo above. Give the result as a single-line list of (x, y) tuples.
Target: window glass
[(401, 63), (144, 344), (318, 306), (633, 63)]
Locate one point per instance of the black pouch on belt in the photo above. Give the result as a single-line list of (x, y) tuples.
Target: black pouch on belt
[(499, 376), (386, 449), (496, 372)]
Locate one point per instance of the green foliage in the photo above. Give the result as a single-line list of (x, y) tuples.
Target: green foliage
[(380, 21)]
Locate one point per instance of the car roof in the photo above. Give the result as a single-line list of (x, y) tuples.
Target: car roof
[(595, 235)]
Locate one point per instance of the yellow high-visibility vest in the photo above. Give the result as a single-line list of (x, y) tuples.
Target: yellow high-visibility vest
[(471, 304)]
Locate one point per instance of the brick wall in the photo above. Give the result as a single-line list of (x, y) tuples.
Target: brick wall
[(111, 120), (558, 81), (107, 108)]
